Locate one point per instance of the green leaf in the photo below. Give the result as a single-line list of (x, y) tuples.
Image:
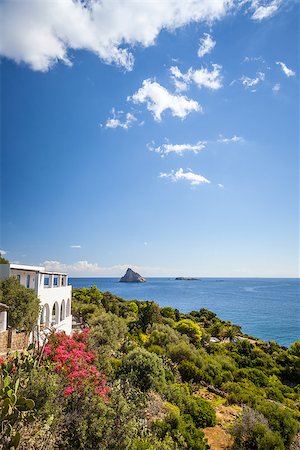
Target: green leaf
[(16, 439), (30, 403)]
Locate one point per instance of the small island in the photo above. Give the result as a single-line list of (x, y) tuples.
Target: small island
[(132, 277), (186, 278)]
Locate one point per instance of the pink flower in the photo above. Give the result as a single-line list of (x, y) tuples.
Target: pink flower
[(69, 390)]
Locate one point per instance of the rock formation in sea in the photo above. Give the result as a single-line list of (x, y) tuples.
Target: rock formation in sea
[(132, 277), (186, 278)]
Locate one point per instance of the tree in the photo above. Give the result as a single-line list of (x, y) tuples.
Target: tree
[(3, 260), (23, 304), (191, 329), (149, 313)]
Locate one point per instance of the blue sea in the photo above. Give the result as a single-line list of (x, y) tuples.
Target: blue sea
[(268, 309)]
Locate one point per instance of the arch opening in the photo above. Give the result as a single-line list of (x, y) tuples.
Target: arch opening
[(55, 314), (45, 316), (63, 310)]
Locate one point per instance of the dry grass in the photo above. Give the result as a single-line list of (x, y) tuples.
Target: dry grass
[(218, 437)]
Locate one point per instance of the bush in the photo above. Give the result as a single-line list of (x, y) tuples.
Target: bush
[(24, 305), (281, 419), (183, 352), (107, 331), (182, 430), (253, 432), (143, 369), (202, 413), (190, 372), (191, 329)]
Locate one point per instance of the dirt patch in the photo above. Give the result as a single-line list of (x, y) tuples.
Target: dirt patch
[(218, 437)]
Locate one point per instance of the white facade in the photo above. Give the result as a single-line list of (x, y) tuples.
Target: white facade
[(52, 289)]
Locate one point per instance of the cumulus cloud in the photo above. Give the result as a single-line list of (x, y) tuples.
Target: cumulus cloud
[(203, 77), (120, 120), (234, 139), (3, 252), (178, 149), (252, 82), (288, 72), (41, 33), (85, 268), (263, 11), (221, 186), (206, 45), (158, 99), (193, 178), (276, 88), (75, 246)]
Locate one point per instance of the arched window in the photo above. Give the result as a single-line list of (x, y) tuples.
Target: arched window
[(68, 309), (63, 310), (55, 314), (45, 315)]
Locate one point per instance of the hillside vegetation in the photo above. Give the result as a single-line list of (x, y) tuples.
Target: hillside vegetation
[(141, 377)]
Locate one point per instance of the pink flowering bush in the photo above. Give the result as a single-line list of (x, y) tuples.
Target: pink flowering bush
[(73, 359)]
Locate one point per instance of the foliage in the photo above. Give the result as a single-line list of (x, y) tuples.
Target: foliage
[(253, 432), (107, 330), (183, 431), (15, 410), (191, 329), (22, 302), (72, 358), (155, 360), (3, 260), (144, 369)]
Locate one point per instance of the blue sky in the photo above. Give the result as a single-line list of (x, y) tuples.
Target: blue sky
[(162, 137)]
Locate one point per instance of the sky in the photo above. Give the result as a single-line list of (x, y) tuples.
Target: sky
[(161, 136)]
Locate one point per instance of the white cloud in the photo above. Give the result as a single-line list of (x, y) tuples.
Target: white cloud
[(178, 149), (85, 268), (201, 77), (206, 45), (75, 246), (210, 79), (233, 139), (193, 178), (254, 59), (3, 252), (276, 88), (221, 186), (251, 82), (41, 33), (116, 120), (288, 72), (264, 11), (158, 99), (180, 80)]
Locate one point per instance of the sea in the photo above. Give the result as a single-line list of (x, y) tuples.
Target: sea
[(268, 309)]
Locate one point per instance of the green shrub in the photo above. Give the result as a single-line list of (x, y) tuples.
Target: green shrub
[(202, 413), (253, 432), (24, 305), (183, 352), (182, 430), (190, 372), (191, 329), (281, 419), (143, 369)]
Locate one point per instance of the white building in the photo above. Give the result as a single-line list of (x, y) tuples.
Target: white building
[(52, 289)]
